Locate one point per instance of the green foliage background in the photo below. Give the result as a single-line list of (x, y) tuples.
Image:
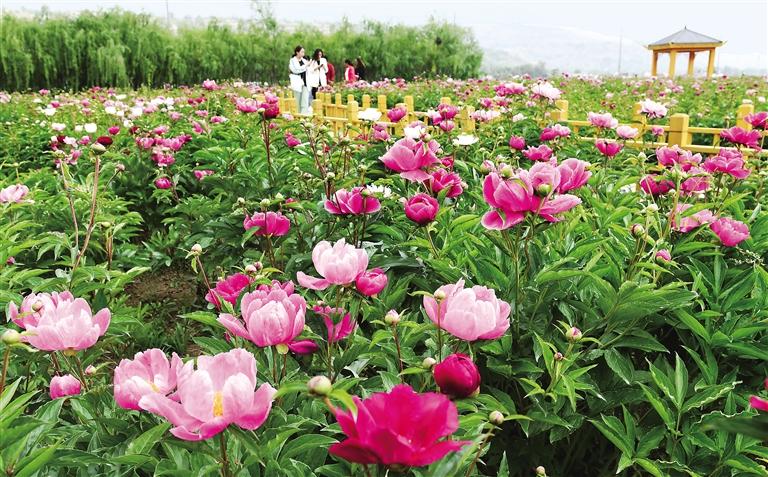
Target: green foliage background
[(125, 49)]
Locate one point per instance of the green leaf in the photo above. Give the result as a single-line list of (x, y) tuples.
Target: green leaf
[(649, 466), (146, 441), (303, 444), (614, 434), (659, 406), (36, 461), (620, 364), (681, 382)]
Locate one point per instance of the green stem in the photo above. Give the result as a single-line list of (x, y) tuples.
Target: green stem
[(224, 458), (6, 361)]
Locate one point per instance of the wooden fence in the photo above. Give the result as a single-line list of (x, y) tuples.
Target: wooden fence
[(330, 109)]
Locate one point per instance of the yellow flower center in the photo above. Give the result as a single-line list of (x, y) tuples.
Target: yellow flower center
[(154, 387), (218, 404)]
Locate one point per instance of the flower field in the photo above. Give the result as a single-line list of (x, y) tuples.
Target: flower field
[(197, 282)]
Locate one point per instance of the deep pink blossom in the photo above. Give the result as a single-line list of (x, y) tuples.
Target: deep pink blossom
[(338, 322), (274, 224), (371, 282), (690, 222), (457, 376), (731, 232), (741, 137), (728, 161), (656, 185), (573, 174), (228, 289), (608, 149), (440, 179), (409, 157), (539, 153), (355, 201), (421, 208)]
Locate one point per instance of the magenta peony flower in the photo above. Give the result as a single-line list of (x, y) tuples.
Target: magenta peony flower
[(669, 156), (728, 161), (14, 193), (409, 157), (228, 289), (383, 431), (757, 120), (517, 142), (397, 113), (758, 403), (221, 391), (303, 347), (147, 373), (199, 175), (470, 314), (440, 179), (421, 208), (457, 376), (698, 181), (740, 137), (336, 331), (573, 174), (338, 264), (163, 183), (63, 386), (356, 201), (291, 140), (539, 153), (663, 255), (730, 232), (655, 185), (371, 282), (270, 317), (608, 149), (274, 224), (113, 130)]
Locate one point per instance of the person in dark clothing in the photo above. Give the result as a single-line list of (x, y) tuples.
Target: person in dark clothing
[(360, 69)]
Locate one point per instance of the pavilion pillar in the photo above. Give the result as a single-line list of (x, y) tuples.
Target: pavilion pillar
[(672, 61), (711, 63), (691, 59), (654, 62)]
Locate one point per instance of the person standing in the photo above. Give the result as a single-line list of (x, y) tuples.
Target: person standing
[(330, 76), (316, 71), (298, 78), (360, 69), (349, 72)]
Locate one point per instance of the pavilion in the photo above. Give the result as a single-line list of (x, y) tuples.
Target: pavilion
[(684, 41)]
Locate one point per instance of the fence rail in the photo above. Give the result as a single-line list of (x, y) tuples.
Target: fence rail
[(330, 109)]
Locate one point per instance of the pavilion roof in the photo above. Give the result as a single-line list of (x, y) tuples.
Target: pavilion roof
[(685, 37)]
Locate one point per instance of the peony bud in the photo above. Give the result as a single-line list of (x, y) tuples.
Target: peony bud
[(663, 256), (457, 376), (240, 201), (496, 418), (320, 386), (428, 363), (279, 196), (439, 295), (541, 471), (98, 148), (197, 249), (90, 370), (11, 337), (637, 230), (392, 318), (559, 356), (265, 202), (543, 190), (573, 335), (371, 282)]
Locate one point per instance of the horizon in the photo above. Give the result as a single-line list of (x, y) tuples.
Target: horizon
[(594, 37)]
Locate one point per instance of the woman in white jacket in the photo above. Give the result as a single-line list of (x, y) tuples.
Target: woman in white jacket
[(298, 78), (316, 72)]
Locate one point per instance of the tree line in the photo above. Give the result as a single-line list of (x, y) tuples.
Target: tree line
[(123, 49)]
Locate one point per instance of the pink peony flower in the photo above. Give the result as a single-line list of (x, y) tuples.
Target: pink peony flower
[(210, 85), (221, 391), (741, 137), (758, 403), (469, 313), (274, 224), (356, 201), (371, 282), (657, 130), (608, 149), (457, 376), (686, 224), (383, 431), (63, 386), (397, 113), (728, 161), (303, 347), (421, 208), (757, 120), (64, 324), (409, 157), (627, 132), (669, 156), (573, 174), (199, 175), (545, 90), (698, 181), (147, 373), (663, 255), (730, 232), (343, 327), (34, 306), (338, 264), (14, 193), (291, 140), (163, 183), (517, 142), (605, 120), (269, 317), (228, 289), (652, 109), (539, 153)]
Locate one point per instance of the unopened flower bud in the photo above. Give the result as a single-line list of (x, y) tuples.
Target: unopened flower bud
[(240, 201), (541, 471), (11, 337), (265, 202), (320, 386), (90, 370), (559, 356), (439, 295), (637, 230), (507, 171), (279, 196), (496, 418), (120, 167), (282, 348), (251, 269), (98, 149), (574, 334), (37, 306), (543, 190), (392, 318), (196, 249), (330, 175), (428, 363)]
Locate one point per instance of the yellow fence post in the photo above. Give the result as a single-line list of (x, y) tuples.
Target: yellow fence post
[(466, 122), (678, 130), (317, 108), (561, 113), (338, 99), (409, 106), (382, 103), (350, 98), (742, 112), (366, 101), (352, 110)]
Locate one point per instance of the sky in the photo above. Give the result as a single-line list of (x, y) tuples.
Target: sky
[(566, 35)]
